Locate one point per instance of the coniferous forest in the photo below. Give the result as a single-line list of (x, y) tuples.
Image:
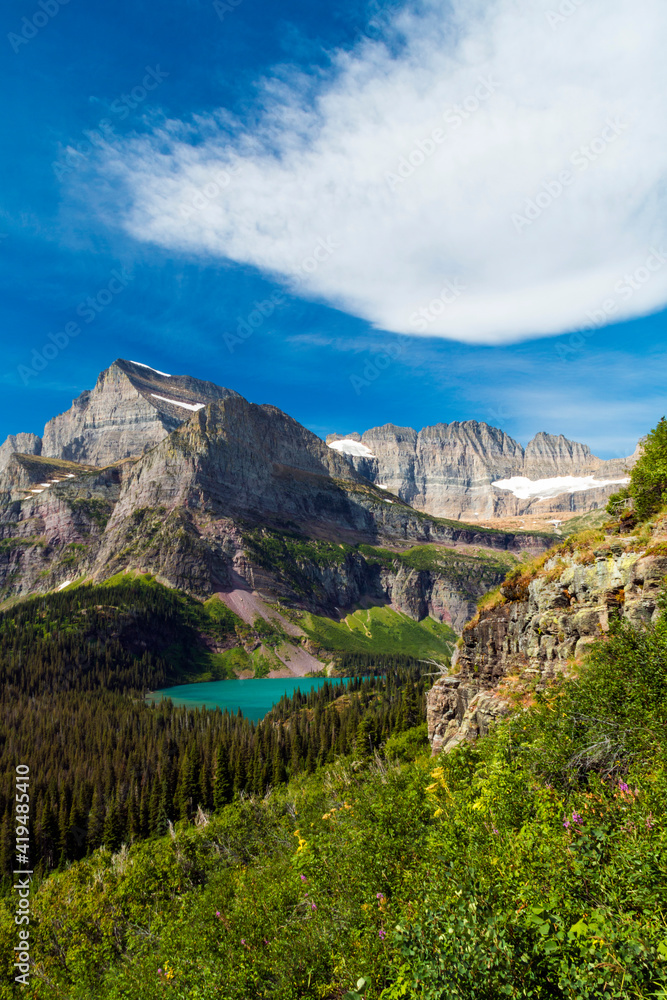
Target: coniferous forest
[(110, 769)]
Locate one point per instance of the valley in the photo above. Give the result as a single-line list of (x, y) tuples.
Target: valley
[(247, 650)]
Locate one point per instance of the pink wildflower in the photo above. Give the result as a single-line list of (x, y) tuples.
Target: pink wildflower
[(382, 934)]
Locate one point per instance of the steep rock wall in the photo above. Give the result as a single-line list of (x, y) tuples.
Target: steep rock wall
[(539, 628), (448, 470)]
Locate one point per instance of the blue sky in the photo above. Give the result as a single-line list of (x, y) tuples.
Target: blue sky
[(178, 164)]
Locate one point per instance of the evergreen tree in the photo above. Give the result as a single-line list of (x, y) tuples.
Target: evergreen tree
[(221, 784)]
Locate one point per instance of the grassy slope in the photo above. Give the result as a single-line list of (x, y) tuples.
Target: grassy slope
[(380, 630)]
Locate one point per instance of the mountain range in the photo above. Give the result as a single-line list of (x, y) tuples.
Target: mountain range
[(471, 471), (186, 482)]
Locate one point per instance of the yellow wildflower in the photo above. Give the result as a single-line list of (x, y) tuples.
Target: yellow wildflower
[(302, 842)]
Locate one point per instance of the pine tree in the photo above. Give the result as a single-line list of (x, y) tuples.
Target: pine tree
[(96, 821), (221, 783)]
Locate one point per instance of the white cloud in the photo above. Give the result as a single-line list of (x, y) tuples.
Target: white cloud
[(306, 179)]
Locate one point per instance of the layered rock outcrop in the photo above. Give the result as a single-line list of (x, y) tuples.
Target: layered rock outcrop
[(25, 444), (239, 462), (542, 624), (131, 409), (448, 470)]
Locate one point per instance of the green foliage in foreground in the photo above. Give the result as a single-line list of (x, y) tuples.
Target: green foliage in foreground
[(380, 630), (531, 864), (648, 479)]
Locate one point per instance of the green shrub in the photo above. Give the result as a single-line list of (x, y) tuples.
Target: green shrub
[(648, 479), (408, 745)]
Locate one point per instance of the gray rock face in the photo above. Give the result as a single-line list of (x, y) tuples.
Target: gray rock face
[(131, 409), (528, 641), (26, 444), (236, 461), (448, 470)]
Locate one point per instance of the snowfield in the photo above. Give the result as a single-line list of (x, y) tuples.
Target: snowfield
[(350, 447), (542, 489)]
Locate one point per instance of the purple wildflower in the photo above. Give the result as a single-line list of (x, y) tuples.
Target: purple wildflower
[(566, 824), (312, 906), (303, 878), (379, 895), (159, 972), (242, 940), (623, 787), (495, 831), (382, 934), (576, 818)]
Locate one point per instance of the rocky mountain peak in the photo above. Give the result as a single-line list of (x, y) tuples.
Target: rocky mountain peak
[(131, 408)]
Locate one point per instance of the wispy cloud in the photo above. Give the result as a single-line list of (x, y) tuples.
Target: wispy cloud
[(415, 164)]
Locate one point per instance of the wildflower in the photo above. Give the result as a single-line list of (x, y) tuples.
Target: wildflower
[(438, 812), (217, 913), (576, 818), (382, 934), (243, 941), (302, 842), (265, 941), (566, 824), (313, 906), (495, 831), (303, 878), (623, 787), (159, 972), (379, 895)]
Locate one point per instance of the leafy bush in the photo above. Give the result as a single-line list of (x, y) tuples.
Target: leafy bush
[(648, 479), (407, 745)]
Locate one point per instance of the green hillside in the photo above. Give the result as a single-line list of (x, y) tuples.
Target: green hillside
[(380, 630), (531, 864)]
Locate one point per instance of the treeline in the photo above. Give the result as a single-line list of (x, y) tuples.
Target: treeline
[(128, 636), (106, 768)]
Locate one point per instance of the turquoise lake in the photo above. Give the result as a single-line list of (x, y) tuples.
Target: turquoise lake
[(254, 697)]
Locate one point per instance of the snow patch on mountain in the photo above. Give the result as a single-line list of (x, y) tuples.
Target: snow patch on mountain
[(175, 402), (142, 365), (349, 447), (542, 489)]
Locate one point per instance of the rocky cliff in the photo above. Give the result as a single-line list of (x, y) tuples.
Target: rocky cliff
[(543, 618), (131, 408), (449, 470), (26, 444)]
